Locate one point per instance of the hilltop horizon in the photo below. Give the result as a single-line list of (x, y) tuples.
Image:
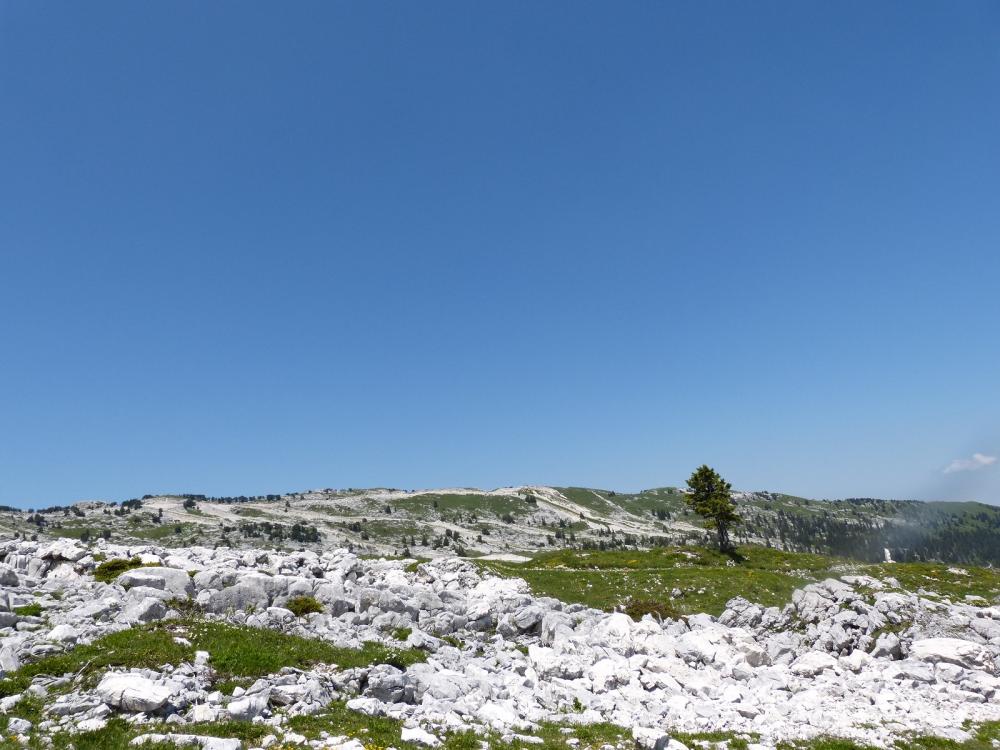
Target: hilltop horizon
[(471, 522), (25, 505)]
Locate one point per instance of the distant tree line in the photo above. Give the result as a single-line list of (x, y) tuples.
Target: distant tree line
[(276, 532), (862, 528), (228, 499)]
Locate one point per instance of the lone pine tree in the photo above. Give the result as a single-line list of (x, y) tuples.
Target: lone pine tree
[(710, 497)]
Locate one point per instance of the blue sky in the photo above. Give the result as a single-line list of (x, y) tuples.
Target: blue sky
[(255, 248)]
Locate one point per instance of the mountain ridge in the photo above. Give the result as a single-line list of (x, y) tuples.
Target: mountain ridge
[(508, 520)]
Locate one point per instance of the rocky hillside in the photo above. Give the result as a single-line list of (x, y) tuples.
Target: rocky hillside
[(470, 522), (111, 646)]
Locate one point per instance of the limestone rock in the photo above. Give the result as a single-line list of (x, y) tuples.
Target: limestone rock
[(176, 582), (812, 663), (132, 692), (419, 736), (953, 651)]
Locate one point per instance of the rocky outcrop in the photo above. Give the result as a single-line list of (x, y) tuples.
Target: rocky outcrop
[(855, 656)]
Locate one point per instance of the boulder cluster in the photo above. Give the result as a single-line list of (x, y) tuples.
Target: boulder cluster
[(855, 657)]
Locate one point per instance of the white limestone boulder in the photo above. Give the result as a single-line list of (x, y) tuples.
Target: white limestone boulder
[(813, 663), (132, 692), (953, 651), (176, 582)]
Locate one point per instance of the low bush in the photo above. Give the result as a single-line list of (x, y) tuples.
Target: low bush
[(109, 570), (661, 610), (401, 634), (303, 605)]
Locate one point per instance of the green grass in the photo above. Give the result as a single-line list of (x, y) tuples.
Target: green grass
[(249, 512), (638, 582), (383, 732), (249, 733), (226, 687), (378, 733), (166, 530), (605, 502), (447, 504), (753, 558), (593, 500), (889, 627), (29, 610), (983, 737), (31, 708), (736, 741), (663, 498), (827, 743), (236, 652), (391, 530), (74, 532), (642, 581), (374, 732), (117, 734), (417, 562), (935, 577)]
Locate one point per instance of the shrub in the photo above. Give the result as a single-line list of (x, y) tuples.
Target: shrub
[(303, 605), (108, 571), (401, 634), (186, 606), (661, 610)]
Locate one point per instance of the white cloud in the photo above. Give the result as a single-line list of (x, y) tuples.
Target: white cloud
[(978, 461)]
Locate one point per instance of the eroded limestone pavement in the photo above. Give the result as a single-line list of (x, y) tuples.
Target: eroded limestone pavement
[(855, 657)]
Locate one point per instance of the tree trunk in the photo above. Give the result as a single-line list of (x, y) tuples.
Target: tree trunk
[(722, 532)]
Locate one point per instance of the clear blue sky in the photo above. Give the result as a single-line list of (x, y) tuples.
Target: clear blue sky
[(254, 248)]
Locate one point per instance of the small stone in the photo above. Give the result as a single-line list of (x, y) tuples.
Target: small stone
[(419, 736), (17, 725), (245, 709), (649, 738), (63, 634), (91, 725)]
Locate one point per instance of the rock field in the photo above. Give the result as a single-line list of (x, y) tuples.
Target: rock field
[(854, 657)]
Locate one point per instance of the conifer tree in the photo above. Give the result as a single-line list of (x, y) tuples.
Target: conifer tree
[(710, 497)]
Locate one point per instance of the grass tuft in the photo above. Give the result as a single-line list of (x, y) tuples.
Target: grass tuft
[(29, 610)]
